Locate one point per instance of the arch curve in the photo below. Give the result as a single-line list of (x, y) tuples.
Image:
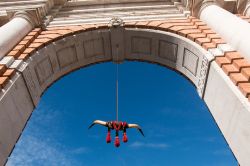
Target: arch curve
[(79, 50), (59, 51)]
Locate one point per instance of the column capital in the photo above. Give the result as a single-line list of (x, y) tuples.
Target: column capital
[(32, 16), (246, 11), (198, 5), (205, 4)]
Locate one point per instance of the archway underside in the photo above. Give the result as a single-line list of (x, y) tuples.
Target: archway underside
[(187, 46)]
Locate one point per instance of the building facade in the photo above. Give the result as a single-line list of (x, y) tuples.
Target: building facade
[(205, 41)]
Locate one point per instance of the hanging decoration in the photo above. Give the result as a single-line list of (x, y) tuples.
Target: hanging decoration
[(116, 125)]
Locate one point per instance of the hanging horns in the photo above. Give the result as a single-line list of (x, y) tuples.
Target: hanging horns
[(117, 126)]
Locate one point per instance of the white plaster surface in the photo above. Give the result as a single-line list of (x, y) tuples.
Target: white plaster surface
[(14, 113), (231, 28), (231, 111)]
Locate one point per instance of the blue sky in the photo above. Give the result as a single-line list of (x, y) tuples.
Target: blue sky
[(178, 127)]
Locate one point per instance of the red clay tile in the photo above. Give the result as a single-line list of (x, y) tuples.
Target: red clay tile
[(36, 45), (174, 29), (238, 78), (29, 38), (195, 20), (204, 27), (241, 63), (88, 27), (208, 31), (130, 24), (208, 45), (15, 53), (48, 32), (233, 55), (178, 21), (201, 41), (3, 81), (39, 30), (194, 36), (49, 36), (9, 73), (29, 50), (200, 23), (98, 26), (218, 41), (3, 68), (23, 56), (182, 24), (33, 33), (154, 23), (165, 26), (246, 72), (43, 40), (213, 36), (20, 47), (244, 88), (142, 23), (189, 31), (25, 42), (228, 69), (222, 61), (75, 29)]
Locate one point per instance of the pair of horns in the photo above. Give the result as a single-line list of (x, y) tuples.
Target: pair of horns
[(103, 123)]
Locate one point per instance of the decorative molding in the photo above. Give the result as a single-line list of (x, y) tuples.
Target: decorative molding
[(190, 61), (203, 76), (141, 45), (32, 16), (116, 22), (43, 70), (66, 56), (246, 10), (93, 47), (168, 50)]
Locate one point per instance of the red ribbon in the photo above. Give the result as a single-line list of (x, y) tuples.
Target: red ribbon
[(108, 138), (117, 141), (117, 128), (125, 138)]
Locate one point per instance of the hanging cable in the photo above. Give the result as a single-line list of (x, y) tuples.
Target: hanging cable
[(117, 93)]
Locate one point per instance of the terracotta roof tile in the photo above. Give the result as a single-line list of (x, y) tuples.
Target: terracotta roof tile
[(184, 33), (23, 56), (201, 41), (228, 69), (238, 78), (14, 53), (9, 73), (3, 81), (2, 69), (222, 61), (193, 36), (241, 63), (245, 88)]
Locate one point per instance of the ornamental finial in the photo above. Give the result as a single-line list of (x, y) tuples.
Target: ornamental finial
[(116, 22)]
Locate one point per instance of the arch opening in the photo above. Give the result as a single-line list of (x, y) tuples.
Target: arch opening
[(125, 71), (78, 50)]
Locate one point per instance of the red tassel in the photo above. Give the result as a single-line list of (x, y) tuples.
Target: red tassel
[(117, 142), (125, 138), (108, 138)]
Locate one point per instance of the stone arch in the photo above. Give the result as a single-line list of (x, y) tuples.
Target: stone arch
[(57, 51), (72, 52)]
